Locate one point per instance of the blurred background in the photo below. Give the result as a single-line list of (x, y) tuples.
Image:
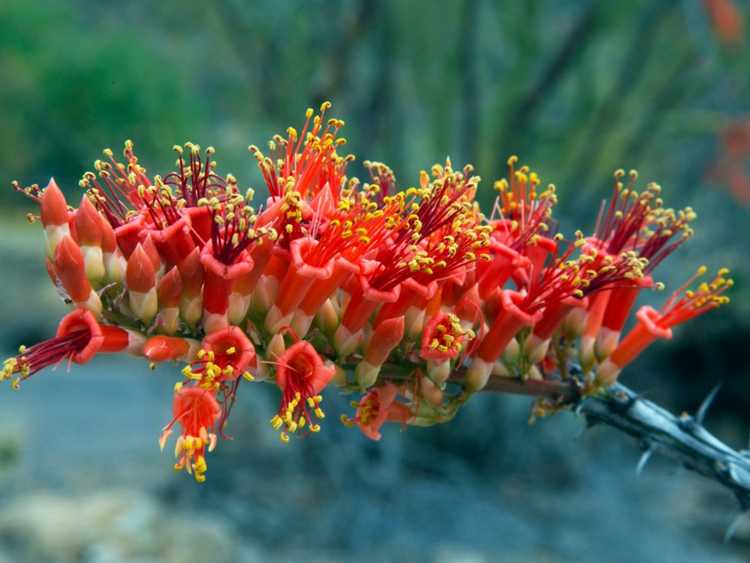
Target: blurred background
[(577, 88)]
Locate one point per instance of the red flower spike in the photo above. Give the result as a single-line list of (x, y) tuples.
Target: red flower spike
[(301, 376), (456, 285), (407, 278), (308, 160), (638, 339), (197, 412), (386, 337), (322, 289), (726, 20), (538, 251), (122, 186), (260, 253), (376, 408)]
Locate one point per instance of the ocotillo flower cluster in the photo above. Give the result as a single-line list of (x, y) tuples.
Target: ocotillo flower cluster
[(412, 298)]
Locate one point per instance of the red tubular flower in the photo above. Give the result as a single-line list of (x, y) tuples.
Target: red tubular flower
[(506, 325), (140, 278), (240, 297), (320, 291), (152, 252), (683, 305), (537, 343), (377, 407), (595, 314), (300, 276), (386, 337), (129, 235), (198, 412), (537, 252), (114, 262), (70, 269), (175, 242), (79, 338), (504, 262), (218, 279), (619, 305), (53, 207), (225, 355), (166, 348), (361, 306), (54, 216), (301, 376), (443, 339), (169, 294), (412, 301), (88, 224), (232, 351), (89, 232), (191, 273)]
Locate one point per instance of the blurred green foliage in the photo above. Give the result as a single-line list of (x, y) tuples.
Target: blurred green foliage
[(577, 88)]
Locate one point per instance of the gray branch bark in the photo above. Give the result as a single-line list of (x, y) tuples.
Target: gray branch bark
[(682, 438)]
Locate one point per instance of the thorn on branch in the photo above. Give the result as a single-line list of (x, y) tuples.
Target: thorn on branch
[(706, 404), (644, 459), (734, 526)]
